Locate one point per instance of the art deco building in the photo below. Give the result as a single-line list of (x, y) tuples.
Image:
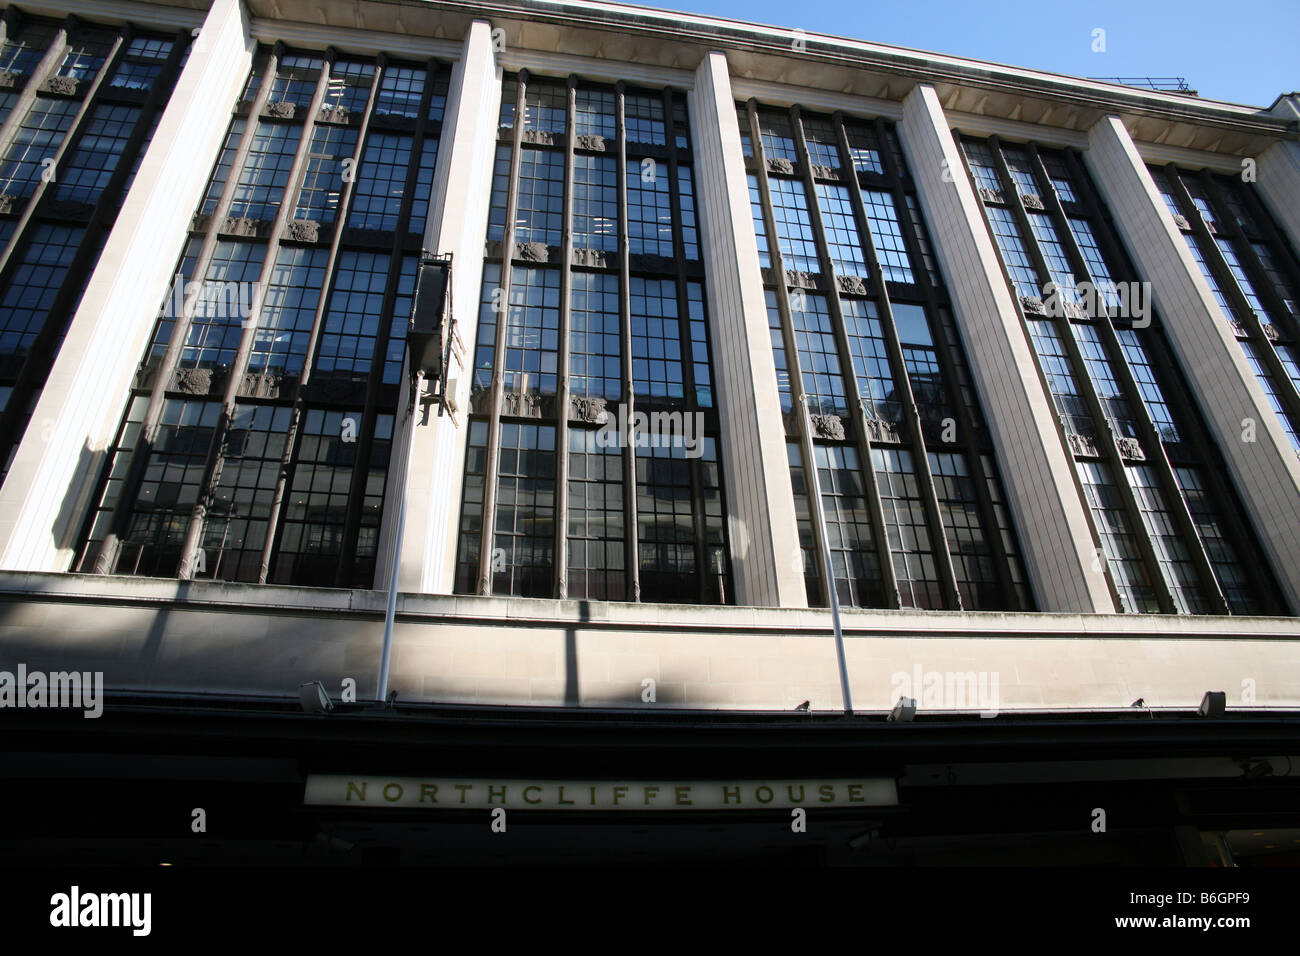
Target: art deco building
[(1009, 361)]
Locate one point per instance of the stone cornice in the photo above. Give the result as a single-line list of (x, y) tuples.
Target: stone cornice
[(654, 45), (733, 36)]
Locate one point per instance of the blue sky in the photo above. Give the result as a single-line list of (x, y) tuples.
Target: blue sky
[(1243, 51)]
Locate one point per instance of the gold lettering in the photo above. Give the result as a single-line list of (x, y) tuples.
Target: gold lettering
[(683, 796), (827, 793), (619, 796), (492, 793), (532, 786), (429, 790), (855, 793), (390, 786), (361, 791), (562, 801), (758, 793), (650, 792), (789, 788), (728, 793), (462, 787)]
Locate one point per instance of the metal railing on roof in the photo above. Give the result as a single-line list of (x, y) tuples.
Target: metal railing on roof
[(1161, 84)]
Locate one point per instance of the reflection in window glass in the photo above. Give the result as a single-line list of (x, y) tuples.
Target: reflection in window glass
[(1119, 543), (778, 136), (649, 209), (823, 150), (644, 117), (666, 525), (595, 203), (166, 496), (322, 181), (595, 522), (288, 311), (266, 171), (818, 356), (594, 364), (37, 138), (40, 271), (909, 536), (400, 91), (887, 236), (656, 339), (295, 80), (848, 527), (546, 106), (524, 533), (1171, 554), (381, 182), (349, 86), (880, 399), (842, 237), (226, 302), (793, 226), (594, 114), (311, 537), (239, 516), (141, 63), (969, 547), (533, 331)]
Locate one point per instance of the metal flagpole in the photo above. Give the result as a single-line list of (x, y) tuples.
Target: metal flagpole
[(391, 612), (831, 592)]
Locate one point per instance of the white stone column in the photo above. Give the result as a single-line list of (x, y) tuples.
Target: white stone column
[(766, 562), (462, 186), (57, 464), (1037, 472), (1277, 174), (1266, 470)]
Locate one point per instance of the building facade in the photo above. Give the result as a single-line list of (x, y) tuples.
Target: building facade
[(1009, 359)]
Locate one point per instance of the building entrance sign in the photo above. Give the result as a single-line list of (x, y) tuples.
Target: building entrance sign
[(453, 793)]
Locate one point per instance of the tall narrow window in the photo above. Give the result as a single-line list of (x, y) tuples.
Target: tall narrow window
[(594, 336), (1122, 409), (322, 183), (595, 203), (605, 354), (524, 529), (223, 306), (293, 483), (871, 429), (595, 524), (649, 210), (266, 172), (850, 538), (909, 536)]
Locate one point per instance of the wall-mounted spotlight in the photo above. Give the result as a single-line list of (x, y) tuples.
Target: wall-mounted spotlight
[(864, 840), (314, 699), (1253, 770), (1213, 704), (903, 711)]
